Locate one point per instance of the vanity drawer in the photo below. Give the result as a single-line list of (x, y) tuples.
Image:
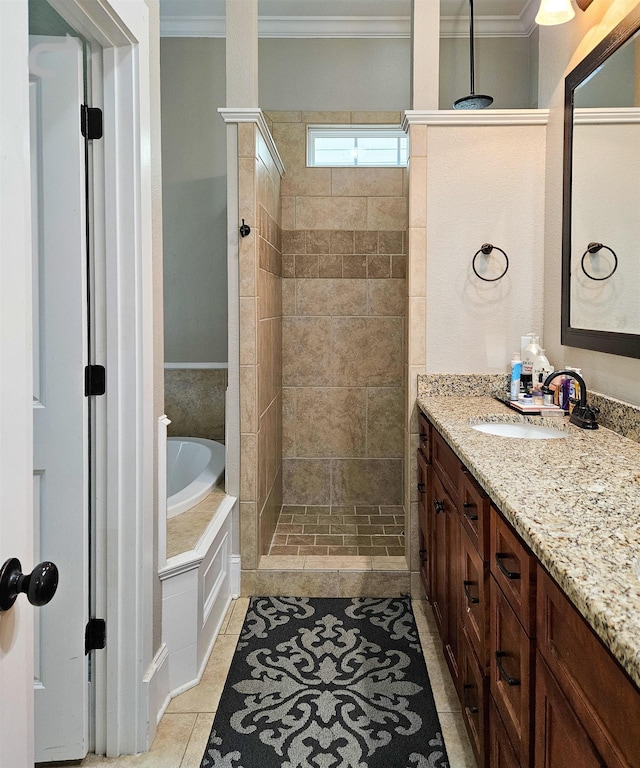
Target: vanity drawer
[(501, 754), (424, 442), (474, 687), (474, 589), (511, 658), (474, 508), (603, 698), (446, 464), (514, 569)]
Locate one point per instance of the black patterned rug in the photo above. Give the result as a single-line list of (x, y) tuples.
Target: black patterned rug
[(327, 683)]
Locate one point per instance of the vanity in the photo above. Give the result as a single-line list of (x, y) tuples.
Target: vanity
[(530, 558)]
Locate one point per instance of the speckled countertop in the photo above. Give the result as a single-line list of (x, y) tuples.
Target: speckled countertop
[(575, 502)]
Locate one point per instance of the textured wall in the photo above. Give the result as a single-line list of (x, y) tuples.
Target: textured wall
[(344, 269), (260, 345)]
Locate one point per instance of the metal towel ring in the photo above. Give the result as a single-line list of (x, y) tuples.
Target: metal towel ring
[(594, 248), (486, 250)]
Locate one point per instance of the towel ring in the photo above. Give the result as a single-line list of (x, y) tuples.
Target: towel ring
[(486, 250), (594, 248)]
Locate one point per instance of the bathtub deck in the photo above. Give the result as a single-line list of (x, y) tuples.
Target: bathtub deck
[(184, 530)]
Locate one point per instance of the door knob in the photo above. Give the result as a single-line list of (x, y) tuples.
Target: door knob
[(39, 586)]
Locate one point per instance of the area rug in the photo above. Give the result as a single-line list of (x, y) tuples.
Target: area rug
[(327, 683)]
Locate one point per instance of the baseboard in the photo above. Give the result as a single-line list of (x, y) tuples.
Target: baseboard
[(234, 575)]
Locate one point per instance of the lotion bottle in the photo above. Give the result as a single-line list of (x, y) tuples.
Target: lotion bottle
[(516, 371)]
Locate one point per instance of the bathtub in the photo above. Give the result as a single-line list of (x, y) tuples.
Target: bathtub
[(194, 466)]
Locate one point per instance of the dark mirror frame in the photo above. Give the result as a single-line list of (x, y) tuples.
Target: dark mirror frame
[(625, 344)]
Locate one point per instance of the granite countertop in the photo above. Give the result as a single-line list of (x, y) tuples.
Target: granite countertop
[(575, 502)]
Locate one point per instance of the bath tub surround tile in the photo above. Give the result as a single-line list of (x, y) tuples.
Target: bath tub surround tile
[(294, 241), (369, 117), (288, 265), (284, 117), (333, 422), (335, 118), (288, 212), (399, 266), (330, 266), (195, 402), (342, 242), (247, 140), (354, 266), (378, 265), (306, 265)]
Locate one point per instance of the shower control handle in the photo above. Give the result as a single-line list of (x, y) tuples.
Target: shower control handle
[(39, 586)]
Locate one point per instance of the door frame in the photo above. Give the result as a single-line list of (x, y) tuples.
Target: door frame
[(124, 532)]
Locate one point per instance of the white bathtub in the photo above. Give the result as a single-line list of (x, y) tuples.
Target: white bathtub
[(194, 466)]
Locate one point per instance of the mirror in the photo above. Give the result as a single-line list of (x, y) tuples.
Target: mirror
[(601, 203)]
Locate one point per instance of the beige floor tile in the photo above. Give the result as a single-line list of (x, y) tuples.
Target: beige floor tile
[(205, 696), (281, 562), (198, 741), (444, 691), (227, 616), (167, 750), (337, 563), (240, 607), (457, 742), (389, 563)]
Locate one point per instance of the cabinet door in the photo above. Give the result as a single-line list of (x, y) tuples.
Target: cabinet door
[(474, 512), (474, 595), (439, 502), (501, 753), (424, 443), (561, 741), (510, 678)]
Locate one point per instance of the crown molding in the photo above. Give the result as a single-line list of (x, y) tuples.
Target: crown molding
[(336, 27), (254, 115), (462, 118)]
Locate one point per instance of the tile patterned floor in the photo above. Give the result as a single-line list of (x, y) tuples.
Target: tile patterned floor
[(183, 731), (338, 530)]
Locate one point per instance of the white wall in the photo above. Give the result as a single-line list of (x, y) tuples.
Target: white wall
[(484, 185), (561, 49), (194, 199)]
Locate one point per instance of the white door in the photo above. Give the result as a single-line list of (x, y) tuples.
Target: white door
[(60, 408)]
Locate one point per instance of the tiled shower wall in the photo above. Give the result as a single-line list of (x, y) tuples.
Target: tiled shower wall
[(260, 269), (194, 400), (343, 325)]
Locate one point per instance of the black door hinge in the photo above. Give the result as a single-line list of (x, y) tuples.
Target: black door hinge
[(91, 122), (95, 635), (94, 380)]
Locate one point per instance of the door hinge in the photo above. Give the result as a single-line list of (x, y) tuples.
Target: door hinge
[(95, 635), (91, 122), (94, 380)]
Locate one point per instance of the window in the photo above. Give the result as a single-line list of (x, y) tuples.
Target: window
[(356, 146)]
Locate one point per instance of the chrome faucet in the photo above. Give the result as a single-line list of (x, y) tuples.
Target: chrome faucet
[(583, 415)]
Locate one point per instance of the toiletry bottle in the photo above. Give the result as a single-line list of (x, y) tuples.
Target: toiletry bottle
[(530, 353), (516, 371), (574, 389), (541, 369)]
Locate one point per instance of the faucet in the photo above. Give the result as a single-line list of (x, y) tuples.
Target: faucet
[(583, 415)]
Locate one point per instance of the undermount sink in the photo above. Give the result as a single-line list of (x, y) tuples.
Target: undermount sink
[(520, 429)]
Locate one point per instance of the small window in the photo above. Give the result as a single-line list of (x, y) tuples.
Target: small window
[(356, 146)]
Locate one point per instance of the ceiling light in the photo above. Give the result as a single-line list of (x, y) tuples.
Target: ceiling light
[(554, 12)]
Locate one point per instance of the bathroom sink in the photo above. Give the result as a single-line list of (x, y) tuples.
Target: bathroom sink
[(519, 429)]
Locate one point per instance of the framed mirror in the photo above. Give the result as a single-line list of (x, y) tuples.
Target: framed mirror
[(601, 196)]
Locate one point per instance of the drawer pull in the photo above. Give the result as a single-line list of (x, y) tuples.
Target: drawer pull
[(507, 678), (469, 707), (512, 575), (473, 600), (423, 555), (438, 506), (421, 487), (467, 505), (423, 437)]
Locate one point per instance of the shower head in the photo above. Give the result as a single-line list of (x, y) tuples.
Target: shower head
[(473, 100)]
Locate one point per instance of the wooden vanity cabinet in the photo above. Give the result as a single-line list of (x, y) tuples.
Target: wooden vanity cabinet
[(538, 688)]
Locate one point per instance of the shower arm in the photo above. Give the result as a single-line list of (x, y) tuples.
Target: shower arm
[(472, 77)]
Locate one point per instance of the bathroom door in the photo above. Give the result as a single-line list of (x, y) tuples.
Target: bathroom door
[(60, 408)]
